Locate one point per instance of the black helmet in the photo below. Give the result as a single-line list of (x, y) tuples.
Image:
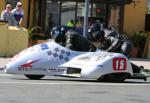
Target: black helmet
[(57, 32), (94, 32)]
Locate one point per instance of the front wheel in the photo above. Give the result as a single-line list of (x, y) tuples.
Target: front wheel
[(34, 77)]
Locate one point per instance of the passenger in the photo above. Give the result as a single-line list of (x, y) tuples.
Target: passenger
[(18, 14), (112, 41), (79, 26), (70, 38), (7, 15), (71, 23)]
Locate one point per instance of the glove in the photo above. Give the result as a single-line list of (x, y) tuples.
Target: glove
[(92, 48)]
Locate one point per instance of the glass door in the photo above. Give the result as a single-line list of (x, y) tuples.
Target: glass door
[(68, 13), (115, 16), (52, 17)]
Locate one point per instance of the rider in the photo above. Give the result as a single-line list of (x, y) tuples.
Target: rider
[(69, 37), (112, 41)]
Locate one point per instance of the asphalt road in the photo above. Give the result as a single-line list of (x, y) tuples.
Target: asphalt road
[(18, 89)]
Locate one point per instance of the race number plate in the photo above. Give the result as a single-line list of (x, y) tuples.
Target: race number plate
[(119, 64)]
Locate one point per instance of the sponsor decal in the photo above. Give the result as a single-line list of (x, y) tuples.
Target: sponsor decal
[(95, 57), (28, 67), (119, 64), (101, 57), (78, 64), (31, 69), (56, 69), (84, 58), (44, 46), (29, 64), (59, 54), (101, 66)]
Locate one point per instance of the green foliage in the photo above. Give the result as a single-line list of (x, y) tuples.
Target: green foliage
[(139, 38), (35, 33)]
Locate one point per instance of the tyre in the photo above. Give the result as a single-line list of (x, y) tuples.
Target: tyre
[(114, 77), (34, 77)]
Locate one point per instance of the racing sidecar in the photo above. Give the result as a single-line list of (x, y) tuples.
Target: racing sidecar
[(52, 59)]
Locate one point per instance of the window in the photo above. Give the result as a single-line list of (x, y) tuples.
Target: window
[(81, 10), (68, 12), (114, 16), (52, 13), (36, 13), (12, 2)]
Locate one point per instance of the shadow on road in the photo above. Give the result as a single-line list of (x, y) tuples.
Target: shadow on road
[(79, 80)]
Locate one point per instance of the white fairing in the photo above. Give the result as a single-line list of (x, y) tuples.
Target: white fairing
[(52, 59)]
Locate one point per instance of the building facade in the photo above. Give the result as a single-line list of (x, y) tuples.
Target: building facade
[(124, 15)]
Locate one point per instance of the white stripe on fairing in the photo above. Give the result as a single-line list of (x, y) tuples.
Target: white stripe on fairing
[(78, 83)]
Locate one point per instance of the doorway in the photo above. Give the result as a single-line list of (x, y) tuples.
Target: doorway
[(52, 17)]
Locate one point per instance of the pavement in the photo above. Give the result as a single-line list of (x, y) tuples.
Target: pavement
[(137, 61), (142, 62), (3, 61)]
